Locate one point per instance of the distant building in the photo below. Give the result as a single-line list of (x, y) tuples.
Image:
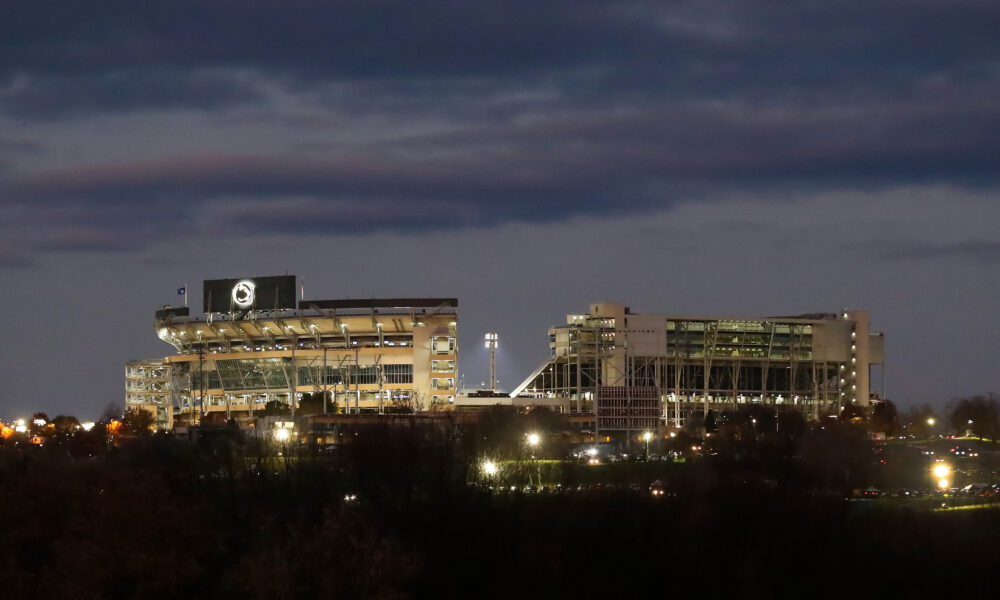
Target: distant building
[(254, 345), (813, 363)]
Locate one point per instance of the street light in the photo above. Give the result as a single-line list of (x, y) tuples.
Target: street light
[(533, 441), (647, 436), (489, 468), (941, 472)]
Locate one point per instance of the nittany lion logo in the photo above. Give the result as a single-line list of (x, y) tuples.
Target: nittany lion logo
[(243, 293)]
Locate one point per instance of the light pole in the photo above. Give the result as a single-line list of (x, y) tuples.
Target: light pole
[(647, 436), (491, 342), (533, 440)]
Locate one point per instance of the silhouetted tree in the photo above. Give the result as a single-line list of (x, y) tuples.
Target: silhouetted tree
[(34, 427), (884, 417), (65, 424), (110, 412), (791, 424), (710, 424), (274, 408), (979, 414), (915, 421), (853, 414), (138, 421), (312, 403)]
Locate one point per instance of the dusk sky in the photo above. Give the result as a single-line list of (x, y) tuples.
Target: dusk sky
[(740, 158)]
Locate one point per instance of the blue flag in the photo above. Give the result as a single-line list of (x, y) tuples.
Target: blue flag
[(181, 291)]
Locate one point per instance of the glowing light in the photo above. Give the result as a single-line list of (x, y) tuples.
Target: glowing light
[(943, 484), (533, 439), (281, 435), (243, 294), (930, 421), (592, 451), (941, 470), (87, 426), (489, 468), (647, 436), (491, 340)]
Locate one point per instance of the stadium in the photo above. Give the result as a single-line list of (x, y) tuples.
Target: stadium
[(611, 371), (623, 372), (256, 345)]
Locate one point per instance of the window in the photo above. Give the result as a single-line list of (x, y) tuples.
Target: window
[(399, 373), (443, 345), (442, 383), (443, 366)]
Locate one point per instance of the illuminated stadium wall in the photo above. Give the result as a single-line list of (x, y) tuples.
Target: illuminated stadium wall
[(815, 363), (380, 355)]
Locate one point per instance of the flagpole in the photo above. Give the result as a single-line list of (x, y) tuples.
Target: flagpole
[(185, 294)]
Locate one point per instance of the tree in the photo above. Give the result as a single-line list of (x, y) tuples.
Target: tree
[(65, 424), (407, 403), (138, 421), (853, 414), (885, 417), (312, 403), (710, 425), (34, 427), (275, 408), (978, 414), (920, 421), (110, 413)]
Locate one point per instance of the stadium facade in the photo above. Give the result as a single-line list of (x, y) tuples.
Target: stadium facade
[(610, 370), (255, 345), (620, 366)]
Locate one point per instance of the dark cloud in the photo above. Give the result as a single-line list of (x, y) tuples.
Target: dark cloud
[(538, 112), (116, 92), (979, 251), (592, 51)]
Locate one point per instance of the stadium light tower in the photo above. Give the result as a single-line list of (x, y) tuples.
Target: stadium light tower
[(491, 345)]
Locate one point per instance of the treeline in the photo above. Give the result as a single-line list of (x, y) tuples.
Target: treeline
[(392, 515)]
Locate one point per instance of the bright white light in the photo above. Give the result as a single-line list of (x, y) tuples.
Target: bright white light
[(491, 340), (941, 470), (243, 293), (533, 439), (87, 426), (489, 468), (281, 435), (647, 436), (943, 484), (931, 421), (592, 451), (39, 422)]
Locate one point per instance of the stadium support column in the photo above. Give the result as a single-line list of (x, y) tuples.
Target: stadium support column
[(579, 376), (293, 380), (201, 383)]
